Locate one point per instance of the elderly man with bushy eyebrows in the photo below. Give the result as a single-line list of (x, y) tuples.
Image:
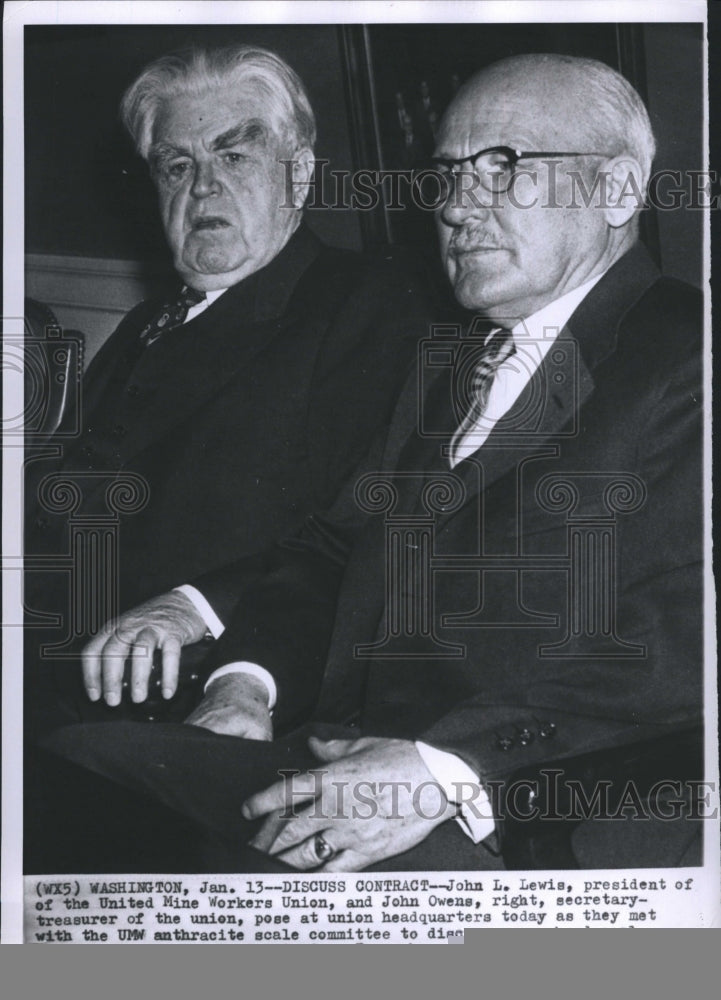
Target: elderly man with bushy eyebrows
[(243, 397)]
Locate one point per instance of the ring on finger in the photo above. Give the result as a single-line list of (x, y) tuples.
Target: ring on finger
[(323, 850)]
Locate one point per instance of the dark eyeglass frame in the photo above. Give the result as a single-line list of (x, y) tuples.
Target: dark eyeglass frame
[(512, 155)]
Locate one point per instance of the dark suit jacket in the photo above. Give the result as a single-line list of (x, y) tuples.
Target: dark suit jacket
[(582, 626), (239, 423)]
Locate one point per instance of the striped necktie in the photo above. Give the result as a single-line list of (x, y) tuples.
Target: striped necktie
[(170, 315), (498, 349)]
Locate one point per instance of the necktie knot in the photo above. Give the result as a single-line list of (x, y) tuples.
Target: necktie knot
[(497, 349), (190, 297), (171, 314), (499, 346)]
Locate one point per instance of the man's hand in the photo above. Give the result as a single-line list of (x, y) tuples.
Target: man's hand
[(235, 705), (371, 799), (167, 623)]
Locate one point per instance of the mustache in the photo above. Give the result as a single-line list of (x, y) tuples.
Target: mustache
[(468, 240)]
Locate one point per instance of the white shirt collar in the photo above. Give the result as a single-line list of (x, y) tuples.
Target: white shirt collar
[(533, 338), (549, 320), (209, 299)]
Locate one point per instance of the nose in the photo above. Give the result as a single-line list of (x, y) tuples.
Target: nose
[(205, 181), (466, 199)]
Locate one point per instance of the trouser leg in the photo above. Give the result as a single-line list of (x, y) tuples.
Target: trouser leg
[(206, 777)]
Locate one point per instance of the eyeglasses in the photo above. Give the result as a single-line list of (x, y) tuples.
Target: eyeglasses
[(494, 167)]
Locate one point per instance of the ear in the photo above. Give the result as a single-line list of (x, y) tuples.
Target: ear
[(624, 192), (303, 168)]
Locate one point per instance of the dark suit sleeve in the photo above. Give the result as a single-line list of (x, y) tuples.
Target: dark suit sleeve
[(362, 364), (601, 703), (374, 312), (284, 601)]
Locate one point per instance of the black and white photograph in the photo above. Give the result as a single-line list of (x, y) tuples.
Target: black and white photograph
[(356, 487)]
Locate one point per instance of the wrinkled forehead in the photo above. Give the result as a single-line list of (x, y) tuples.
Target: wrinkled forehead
[(528, 111), (206, 115)]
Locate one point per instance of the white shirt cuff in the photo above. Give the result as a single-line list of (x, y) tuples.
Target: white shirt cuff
[(241, 667), (213, 623), (461, 786)]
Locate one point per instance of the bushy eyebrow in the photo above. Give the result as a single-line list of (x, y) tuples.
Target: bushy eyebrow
[(165, 151), (249, 131)]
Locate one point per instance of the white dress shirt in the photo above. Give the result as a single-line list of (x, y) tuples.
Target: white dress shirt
[(532, 339), (201, 306)]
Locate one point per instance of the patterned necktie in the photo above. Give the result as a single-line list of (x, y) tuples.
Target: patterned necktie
[(171, 314), (497, 350)]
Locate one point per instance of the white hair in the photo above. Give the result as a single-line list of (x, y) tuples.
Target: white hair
[(198, 71), (617, 115), (612, 112)]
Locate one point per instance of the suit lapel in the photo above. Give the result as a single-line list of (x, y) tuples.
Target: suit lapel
[(193, 363), (548, 410), (102, 370), (546, 413)]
